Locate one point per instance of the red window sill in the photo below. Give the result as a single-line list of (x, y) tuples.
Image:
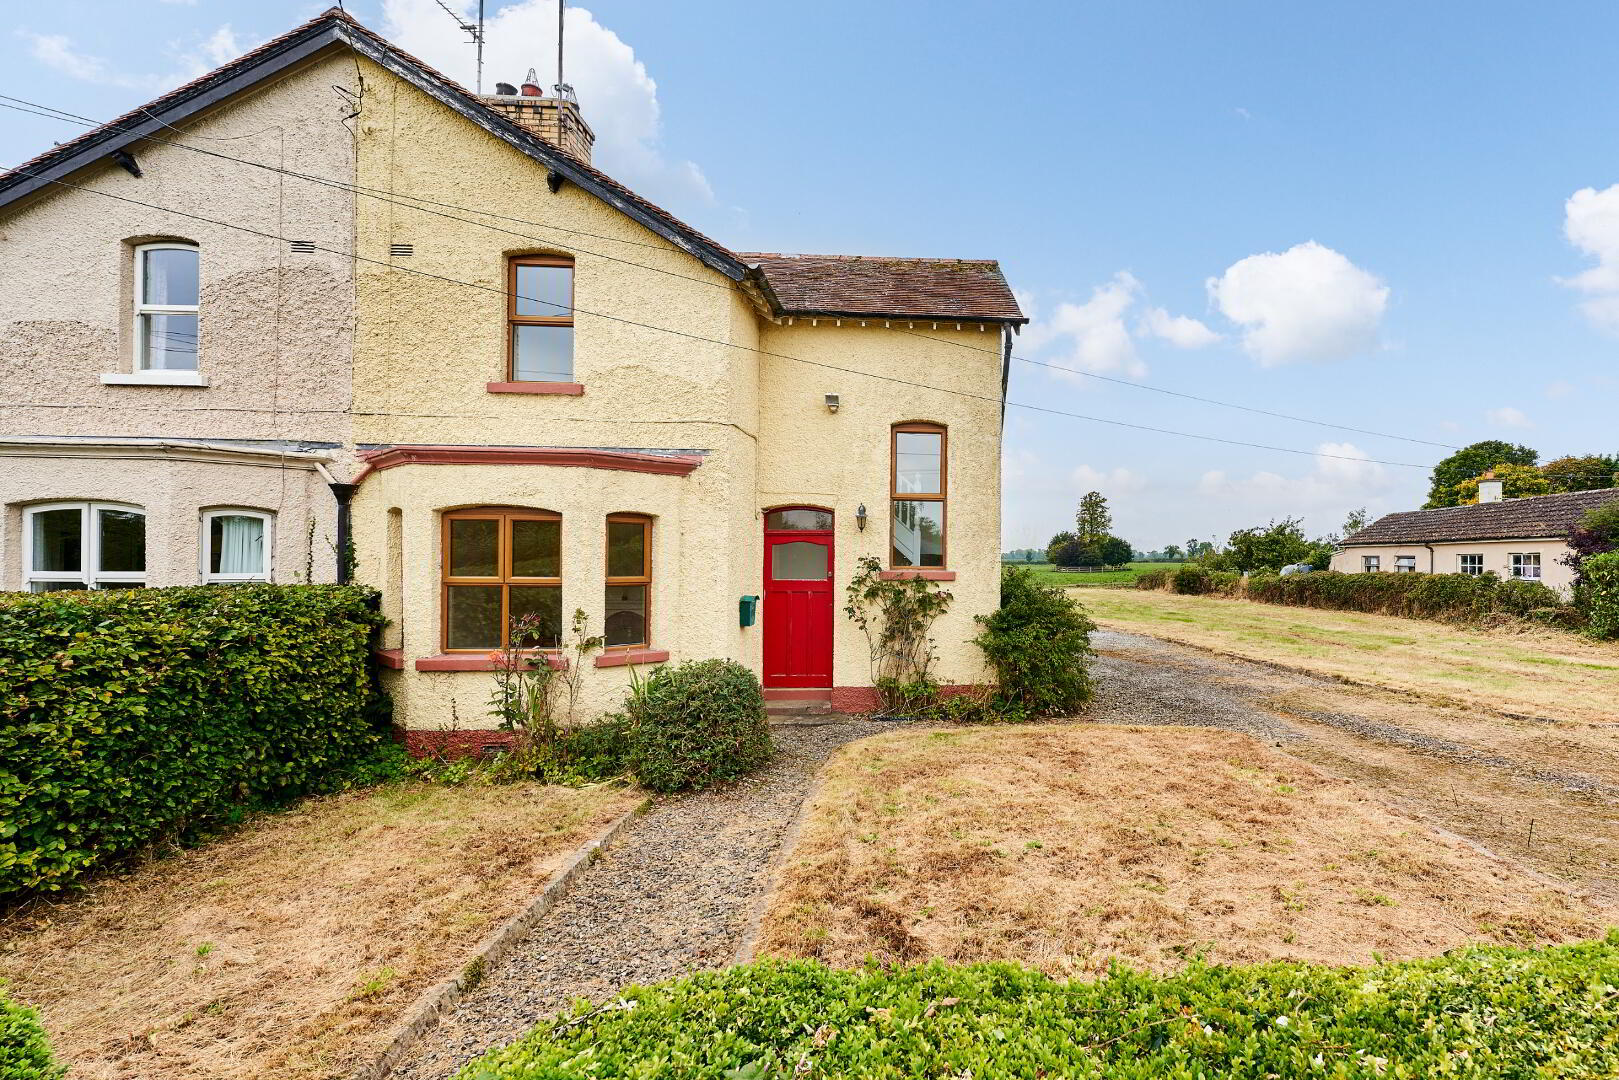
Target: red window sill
[(923, 573), (390, 658), (632, 656), (476, 662), (571, 389)]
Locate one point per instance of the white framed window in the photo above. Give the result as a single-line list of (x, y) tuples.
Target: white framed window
[(236, 545), (1371, 564), (83, 545), (1470, 564), (1526, 565), (1405, 564), (167, 291)]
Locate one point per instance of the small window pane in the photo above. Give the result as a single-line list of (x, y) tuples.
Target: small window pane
[(123, 541), (474, 617), (170, 277), (236, 544), (536, 614), (544, 292), (536, 549), (798, 519), (798, 561), (474, 548), (169, 342), (916, 462), (626, 615), (626, 549), (918, 537), (56, 586), (542, 353), (57, 541)]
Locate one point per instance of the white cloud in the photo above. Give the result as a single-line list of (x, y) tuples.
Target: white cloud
[(1341, 480), (1507, 416), (1096, 336), (618, 98), (192, 57), (1111, 482), (56, 51), (1591, 223), (1306, 303)]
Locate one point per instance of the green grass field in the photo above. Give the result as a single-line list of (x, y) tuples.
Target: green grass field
[(1047, 574)]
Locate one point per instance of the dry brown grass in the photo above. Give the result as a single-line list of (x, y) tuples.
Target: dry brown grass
[(1536, 672), (1066, 847), (288, 949)]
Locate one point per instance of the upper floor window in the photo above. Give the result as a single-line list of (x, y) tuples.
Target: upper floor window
[(83, 545), (917, 493), (629, 579), (540, 319), (502, 579), (1371, 564), (236, 546), (166, 297), (1470, 564), (1526, 565)]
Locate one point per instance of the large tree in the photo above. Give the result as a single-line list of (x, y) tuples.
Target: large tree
[(1355, 522), (1056, 545), (1517, 481), (1588, 472), (1115, 551), (1093, 521), (1469, 463)]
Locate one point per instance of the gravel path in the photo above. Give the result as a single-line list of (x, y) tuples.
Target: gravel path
[(673, 895)]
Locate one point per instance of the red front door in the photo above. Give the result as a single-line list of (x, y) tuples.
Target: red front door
[(798, 598)]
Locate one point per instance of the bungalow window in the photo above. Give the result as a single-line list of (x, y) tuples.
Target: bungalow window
[(166, 302), (1371, 564), (502, 577), (629, 580), (235, 546), (1405, 564), (83, 545), (917, 493), (1470, 564), (540, 319), (1526, 565)]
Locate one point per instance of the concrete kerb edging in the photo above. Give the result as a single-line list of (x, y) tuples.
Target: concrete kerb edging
[(426, 1012)]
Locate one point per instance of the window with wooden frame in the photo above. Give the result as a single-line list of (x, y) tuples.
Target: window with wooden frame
[(502, 579), (629, 581), (917, 490), (540, 319)]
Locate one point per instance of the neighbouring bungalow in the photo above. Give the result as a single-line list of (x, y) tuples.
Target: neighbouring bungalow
[(322, 315), (1522, 539)]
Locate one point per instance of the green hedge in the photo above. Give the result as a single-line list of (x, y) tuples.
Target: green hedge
[(1445, 597), (137, 715), (1483, 1012), (24, 1052), (696, 725), (1598, 596)]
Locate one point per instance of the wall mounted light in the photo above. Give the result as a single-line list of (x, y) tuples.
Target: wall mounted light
[(831, 403), (860, 517)]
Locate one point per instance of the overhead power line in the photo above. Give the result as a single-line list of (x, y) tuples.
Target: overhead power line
[(412, 201), (356, 257)]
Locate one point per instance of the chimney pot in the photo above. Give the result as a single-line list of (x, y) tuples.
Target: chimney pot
[(531, 85), (505, 89)]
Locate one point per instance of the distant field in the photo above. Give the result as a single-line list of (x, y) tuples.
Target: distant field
[(1048, 574)]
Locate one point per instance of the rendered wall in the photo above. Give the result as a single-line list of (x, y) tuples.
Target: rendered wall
[(1497, 558)]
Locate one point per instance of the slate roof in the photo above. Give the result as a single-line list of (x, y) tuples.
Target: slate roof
[(875, 286), (849, 285), (1537, 517)]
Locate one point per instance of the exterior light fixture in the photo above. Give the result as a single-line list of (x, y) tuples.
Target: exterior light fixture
[(860, 517), (831, 403)]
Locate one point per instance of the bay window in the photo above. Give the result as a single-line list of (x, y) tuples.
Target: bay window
[(167, 292), (540, 319), (502, 576), (917, 490), (236, 546), (83, 545), (629, 580)]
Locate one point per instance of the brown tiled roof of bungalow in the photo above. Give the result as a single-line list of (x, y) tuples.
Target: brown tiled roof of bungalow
[(1536, 517), (870, 286)]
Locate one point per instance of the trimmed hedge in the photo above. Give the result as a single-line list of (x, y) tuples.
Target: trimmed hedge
[(1039, 643), (1480, 1012), (137, 715), (697, 725), (25, 1054), (1444, 597)]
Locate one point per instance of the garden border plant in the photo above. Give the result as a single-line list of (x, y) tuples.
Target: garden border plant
[(1038, 642), (896, 616)]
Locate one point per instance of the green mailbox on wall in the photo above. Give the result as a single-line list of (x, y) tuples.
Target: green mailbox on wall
[(748, 610)]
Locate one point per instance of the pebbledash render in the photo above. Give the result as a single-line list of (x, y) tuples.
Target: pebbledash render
[(487, 377)]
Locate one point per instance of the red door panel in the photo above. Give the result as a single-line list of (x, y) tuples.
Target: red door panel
[(798, 608)]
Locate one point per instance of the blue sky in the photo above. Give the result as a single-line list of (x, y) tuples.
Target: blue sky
[(1365, 213)]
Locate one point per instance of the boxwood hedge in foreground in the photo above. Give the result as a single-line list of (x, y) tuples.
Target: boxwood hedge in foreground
[(1483, 1012), (24, 1052)]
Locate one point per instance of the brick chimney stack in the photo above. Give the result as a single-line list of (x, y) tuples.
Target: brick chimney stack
[(554, 118)]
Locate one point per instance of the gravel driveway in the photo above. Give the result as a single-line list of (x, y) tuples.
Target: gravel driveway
[(673, 895)]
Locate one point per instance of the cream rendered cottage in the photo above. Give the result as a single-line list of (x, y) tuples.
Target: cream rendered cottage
[(394, 329)]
